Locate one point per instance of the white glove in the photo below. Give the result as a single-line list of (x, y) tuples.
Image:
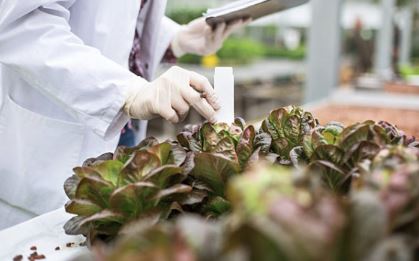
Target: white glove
[(199, 38), (171, 95)]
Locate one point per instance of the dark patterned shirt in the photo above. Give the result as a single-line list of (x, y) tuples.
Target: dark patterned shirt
[(135, 63)]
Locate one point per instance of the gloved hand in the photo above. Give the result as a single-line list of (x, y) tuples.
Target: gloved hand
[(171, 95), (199, 38)]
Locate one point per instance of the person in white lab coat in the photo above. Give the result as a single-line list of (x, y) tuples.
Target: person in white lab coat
[(66, 90)]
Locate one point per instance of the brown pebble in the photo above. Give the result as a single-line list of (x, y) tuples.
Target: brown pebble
[(33, 248), (57, 248), (35, 256), (18, 258)]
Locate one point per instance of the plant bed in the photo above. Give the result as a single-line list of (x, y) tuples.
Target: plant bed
[(404, 119), (291, 189), (401, 87)]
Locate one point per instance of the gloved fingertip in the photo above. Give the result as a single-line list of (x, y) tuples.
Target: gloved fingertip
[(212, 120), (173, 119), (214, 101)]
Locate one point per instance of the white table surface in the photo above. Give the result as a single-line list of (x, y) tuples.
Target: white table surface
[(46, 233)]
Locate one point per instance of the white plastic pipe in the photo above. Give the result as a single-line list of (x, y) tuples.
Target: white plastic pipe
[(224, 88)]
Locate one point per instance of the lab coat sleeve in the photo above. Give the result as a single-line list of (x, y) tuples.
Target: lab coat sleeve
[(168, 30), (36, 41)]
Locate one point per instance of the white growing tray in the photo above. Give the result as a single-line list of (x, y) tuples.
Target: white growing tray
[(46, 233)]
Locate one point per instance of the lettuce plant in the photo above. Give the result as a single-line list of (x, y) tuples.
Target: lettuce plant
[(114, 189), (256, 212), (283, 216), (287, 128), (233, 142), (290, 226), (336, 152), (394, 174), (216, 152)]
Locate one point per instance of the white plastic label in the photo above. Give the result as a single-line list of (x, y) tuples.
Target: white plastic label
[(224, 88)]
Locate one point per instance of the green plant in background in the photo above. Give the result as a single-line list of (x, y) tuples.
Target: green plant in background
[(280, 52), (407, 71), (185, 15), (240, 51)]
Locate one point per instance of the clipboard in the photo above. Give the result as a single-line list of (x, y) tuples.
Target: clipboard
[(248, 9)]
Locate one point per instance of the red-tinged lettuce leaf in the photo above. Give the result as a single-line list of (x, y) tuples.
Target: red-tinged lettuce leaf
[(165, 176), (287, 128), (209, 137), (109, 170), (333, 176), (196, 196), (240, 122), (82, 207), (70, 186), (106, 222), (74, 226), (362, 151), (134, 199), (189, 163), (219, 127), (145, 241), (142, 163), (174, 190), (235, 132), (245, 147), (147, 143), (329, 153), (255, 239), (214, 171), (93, 161), (226, 148), (367, 131), (393, 157), (177, 154), (188, 141), (217, 206), (367, 224), (263, 141), (396, 136), (278, 118), (328, 134), (309, 230), (96, 190), (298, 157), (292, 129), (123, 154), (269, 128), (86, 172), (353, 135), (162, 151)]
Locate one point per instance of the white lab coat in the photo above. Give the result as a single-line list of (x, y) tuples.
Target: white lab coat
[(64, 70)]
